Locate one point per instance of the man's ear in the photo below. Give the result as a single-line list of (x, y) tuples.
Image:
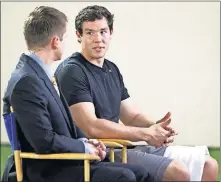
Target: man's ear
[(78, 36), (111, 32), (54, 42)]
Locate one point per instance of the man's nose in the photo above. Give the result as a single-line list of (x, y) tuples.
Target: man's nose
[(97, 37)]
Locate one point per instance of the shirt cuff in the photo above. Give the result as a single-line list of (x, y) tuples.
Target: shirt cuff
[(84, 140)]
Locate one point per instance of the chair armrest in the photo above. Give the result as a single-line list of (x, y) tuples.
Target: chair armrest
[(70, 156), (112, 144), (125, 142), (120, 141)]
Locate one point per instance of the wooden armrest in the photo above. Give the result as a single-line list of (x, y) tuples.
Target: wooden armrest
[(112, 144), (122, 142), (70, 156), (73, 156), (125, 142)]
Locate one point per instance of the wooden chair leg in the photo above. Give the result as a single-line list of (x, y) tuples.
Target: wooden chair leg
[(124, 154), (112, 154), (18, 166), (86, 171)]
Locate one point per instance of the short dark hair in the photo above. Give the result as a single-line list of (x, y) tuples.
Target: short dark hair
[(42, 24), (92, 13)]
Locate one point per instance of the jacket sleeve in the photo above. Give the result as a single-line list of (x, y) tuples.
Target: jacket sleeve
[(29, 103)]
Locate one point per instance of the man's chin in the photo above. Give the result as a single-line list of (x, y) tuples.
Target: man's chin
[(99, 56)]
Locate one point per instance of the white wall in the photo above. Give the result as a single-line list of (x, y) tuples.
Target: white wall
[(168, 52)]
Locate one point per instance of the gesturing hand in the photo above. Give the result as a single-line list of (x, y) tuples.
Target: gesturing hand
[(157, 135), (168, 128)]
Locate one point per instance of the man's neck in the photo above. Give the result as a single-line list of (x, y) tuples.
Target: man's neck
[(45, 56), (98, 62)]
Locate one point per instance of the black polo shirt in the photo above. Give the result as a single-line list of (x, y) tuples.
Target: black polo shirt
[(82, 81)]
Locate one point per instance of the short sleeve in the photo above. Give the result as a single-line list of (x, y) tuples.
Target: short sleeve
[(74, 84), (124, 91)]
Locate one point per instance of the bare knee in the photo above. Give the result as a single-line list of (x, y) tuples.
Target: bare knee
[(210, 171), (212, 163), (176, 172)]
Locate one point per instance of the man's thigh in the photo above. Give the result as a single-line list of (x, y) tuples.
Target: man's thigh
[(192, 157), (154, 164), (100, 172), (119, 172)]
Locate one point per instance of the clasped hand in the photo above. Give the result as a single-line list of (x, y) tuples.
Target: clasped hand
[(97, 148), (161, 134)]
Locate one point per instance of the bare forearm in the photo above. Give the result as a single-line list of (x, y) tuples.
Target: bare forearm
[(106, 129), (141, 120)]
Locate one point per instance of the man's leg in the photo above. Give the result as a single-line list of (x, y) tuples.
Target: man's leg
[(202, 167), (159, 168), (99, 172), (176, 172), (129, 171), (210, 171), (197, 159)]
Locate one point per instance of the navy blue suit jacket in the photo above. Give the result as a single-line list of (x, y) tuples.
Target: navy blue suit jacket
[(44, 121)]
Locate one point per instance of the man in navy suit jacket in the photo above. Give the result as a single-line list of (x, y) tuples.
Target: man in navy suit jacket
[(44, 121)]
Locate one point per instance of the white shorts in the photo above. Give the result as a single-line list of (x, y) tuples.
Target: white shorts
[(192, 157)]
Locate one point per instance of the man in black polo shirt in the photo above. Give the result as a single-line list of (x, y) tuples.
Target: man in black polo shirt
[(98, 99)]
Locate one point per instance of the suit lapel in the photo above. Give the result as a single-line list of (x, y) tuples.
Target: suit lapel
[(65, 104), (41, 73)]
